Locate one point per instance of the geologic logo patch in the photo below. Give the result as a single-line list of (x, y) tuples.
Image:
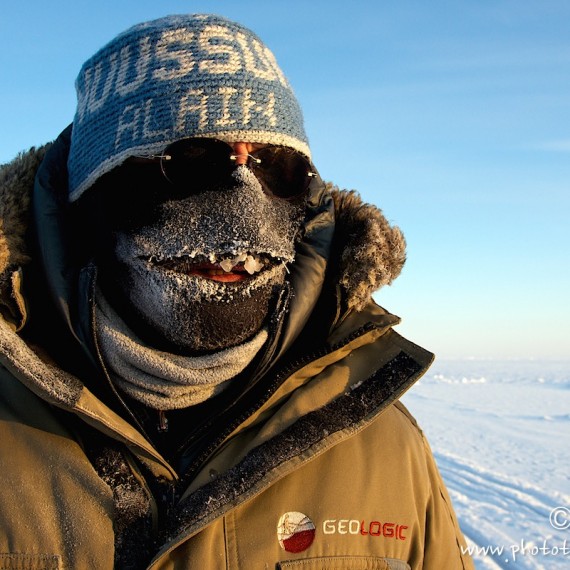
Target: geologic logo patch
[(295, 532)]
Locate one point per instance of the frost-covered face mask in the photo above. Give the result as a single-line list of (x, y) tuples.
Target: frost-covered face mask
[(199, 273)]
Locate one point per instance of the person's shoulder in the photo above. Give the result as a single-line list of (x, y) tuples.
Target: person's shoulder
[(407, 418), (398, 419), (399, 433)]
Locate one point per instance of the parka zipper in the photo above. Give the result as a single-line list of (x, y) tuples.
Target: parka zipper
[(89, 274), (275, 326), (203, 457), (162, 426)]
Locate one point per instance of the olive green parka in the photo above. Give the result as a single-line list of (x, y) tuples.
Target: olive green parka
[(313, 464)]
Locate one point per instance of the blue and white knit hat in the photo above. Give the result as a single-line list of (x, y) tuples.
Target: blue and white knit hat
[(177, 77)]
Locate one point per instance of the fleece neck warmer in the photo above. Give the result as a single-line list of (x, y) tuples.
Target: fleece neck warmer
[(161, 380)]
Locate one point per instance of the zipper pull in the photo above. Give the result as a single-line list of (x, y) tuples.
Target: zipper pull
[(162, 426)]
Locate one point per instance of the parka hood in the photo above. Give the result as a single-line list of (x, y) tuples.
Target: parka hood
[(366, 251)]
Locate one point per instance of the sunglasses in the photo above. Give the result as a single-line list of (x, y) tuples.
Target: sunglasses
[(197, 164)]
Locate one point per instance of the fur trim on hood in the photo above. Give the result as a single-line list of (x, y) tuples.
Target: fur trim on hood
[(371, 251), (367, 252), (16, 185)]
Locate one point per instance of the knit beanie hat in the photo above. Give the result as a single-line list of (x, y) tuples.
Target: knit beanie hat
[(173, 78)]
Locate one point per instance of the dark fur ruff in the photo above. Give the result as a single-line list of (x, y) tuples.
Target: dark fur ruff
[(368, 252), (372, 253), (16, 184)]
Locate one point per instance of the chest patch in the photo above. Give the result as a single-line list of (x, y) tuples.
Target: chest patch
[(295, 532)]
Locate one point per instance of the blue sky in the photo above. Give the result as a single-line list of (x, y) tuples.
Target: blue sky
[(453, 117)]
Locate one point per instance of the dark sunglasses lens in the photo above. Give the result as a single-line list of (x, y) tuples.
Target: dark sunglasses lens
[(283, 172), (195, 165)]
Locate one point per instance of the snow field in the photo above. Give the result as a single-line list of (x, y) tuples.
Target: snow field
[(500, 431)]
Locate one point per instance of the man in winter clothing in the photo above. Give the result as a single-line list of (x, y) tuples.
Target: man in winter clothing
[(193, 373)]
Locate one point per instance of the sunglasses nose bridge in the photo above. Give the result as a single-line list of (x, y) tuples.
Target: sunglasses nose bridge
[(239, 154)]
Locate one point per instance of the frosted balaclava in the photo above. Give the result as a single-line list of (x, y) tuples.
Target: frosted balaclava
[(199, 273)]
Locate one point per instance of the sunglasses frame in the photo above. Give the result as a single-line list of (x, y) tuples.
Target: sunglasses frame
[(175, 151)]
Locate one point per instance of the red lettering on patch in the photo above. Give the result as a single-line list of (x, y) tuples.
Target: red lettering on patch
[(387, 530)]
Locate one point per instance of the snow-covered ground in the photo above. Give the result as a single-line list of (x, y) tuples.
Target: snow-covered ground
[(500, 432)]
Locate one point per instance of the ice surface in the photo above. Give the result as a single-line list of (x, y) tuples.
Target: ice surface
[(500, 432)]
